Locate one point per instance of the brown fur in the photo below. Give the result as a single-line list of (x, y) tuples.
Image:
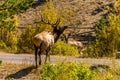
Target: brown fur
[(44, 40), (73, 42)]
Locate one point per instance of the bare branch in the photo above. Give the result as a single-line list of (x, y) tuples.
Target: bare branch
[(48, 22), (57, 22), (42, 20)]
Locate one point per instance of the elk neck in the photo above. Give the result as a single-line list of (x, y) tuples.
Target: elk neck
[(57, 32), (56, 37)]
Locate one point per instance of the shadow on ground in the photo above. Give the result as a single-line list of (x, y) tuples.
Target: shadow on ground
[(21, 73)]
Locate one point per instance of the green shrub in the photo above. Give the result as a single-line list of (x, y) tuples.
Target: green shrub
[(2, 45), (101, 24), (10, 7), (0, 62), (84, 73), (107, 38), (107, 34), (67, 71), (8, 33), (62, 48), (9, 22), (107, 42), (25, 43)]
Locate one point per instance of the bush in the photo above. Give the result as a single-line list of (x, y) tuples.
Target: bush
[(62, 48), (105, 45), (8, 34), (10, 7), (2, 45), (67, 71), (0, 62), (107, 35), (9, 22), (25, 40), (9, 42)]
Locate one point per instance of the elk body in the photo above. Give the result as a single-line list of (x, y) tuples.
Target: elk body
[(44, 40), (73, 42)]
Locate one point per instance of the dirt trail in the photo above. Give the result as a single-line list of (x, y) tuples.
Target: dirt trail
[(29, 59), (20, 66)]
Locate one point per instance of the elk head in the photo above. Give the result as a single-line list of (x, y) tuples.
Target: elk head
[(57, 30)]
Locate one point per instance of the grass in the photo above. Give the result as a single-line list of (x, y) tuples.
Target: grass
[(18, 71)]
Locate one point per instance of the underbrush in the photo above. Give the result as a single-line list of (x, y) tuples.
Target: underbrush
[(59, 71), (62, 48), (76, 71), (107, 42), (2, 45), (67, 71), (0, 62)]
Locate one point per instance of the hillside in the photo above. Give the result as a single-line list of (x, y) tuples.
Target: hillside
[(86, 12)]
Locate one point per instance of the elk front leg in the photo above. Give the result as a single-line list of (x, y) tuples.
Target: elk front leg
[(47, 54), (40, 57)]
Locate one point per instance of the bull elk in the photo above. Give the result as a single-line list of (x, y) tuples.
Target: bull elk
[(44, 40)]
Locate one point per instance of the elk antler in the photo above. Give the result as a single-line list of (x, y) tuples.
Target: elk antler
[(52, 24), (42, 20), (57, 22)]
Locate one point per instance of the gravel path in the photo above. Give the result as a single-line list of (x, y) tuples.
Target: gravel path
[(29, 59)]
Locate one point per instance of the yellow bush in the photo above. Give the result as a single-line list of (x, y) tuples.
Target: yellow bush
[(60, 49)]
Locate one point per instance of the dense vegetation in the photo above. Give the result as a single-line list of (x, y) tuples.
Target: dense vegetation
[(75, 71), (62, 48), (9, 22), (0, 62), (107, 29), (107, 34), (107, 39), (68, 71)]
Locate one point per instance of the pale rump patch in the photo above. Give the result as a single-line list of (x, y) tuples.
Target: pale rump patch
[(45, 37)]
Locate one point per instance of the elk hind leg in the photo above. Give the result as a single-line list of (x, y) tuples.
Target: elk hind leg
[(36, 50)]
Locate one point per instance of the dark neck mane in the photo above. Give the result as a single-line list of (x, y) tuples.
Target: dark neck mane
[(56, 37), (58, 32)]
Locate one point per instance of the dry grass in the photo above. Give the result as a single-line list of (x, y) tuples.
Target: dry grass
[(10, 71)]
